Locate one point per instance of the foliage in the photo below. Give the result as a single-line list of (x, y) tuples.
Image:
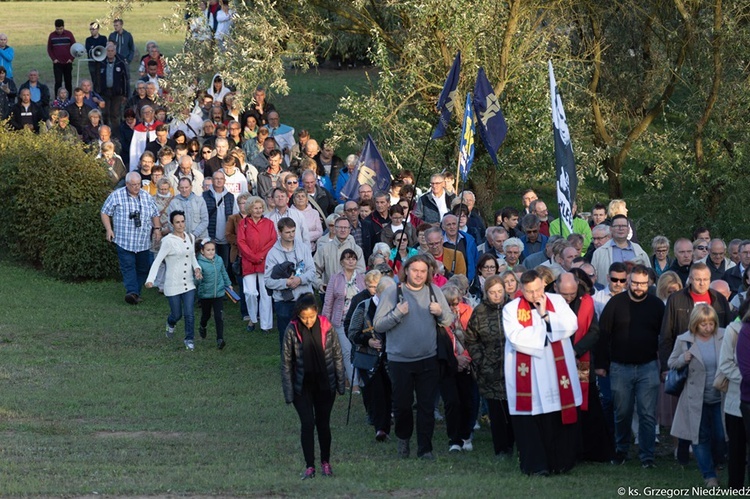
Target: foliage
[(42, 175), (75, 248)]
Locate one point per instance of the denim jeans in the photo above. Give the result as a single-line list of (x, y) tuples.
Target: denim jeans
[(134, 267), (284, 310), (184, 303), (631, 382), (710, 433)]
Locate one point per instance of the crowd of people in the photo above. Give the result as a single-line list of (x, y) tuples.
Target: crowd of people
[(562, 341)]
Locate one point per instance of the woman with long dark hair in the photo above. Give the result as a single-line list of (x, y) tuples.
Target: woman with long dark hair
[(312, 371)]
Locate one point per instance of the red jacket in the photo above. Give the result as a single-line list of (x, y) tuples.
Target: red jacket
[(254, 241)]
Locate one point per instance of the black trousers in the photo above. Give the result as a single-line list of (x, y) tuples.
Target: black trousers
[(377, 396), (63, 71), (314, 406), (217, 304), (500, 426), (422, 378), (545, 444), (113, 112), (455, 389)]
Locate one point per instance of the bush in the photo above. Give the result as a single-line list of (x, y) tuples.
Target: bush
[(42, 175), (75, 248)]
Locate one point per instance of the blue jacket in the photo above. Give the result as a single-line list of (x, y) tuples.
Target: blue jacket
[(215, 277), (120, 78), (472, 254), (343, 178)]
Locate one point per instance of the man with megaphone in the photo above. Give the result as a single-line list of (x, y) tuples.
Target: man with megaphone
[(95, 47)]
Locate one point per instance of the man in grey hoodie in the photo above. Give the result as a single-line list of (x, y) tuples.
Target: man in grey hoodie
[(408, 314)]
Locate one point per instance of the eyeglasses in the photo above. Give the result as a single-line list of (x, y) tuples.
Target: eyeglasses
[(636, 284), (615, 279), (489, 267), (341, 227), (435, 244), (661, 250), (602, 237), (619, 226), (437, 183)]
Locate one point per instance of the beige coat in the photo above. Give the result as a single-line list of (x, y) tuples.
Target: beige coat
[(687, 417)]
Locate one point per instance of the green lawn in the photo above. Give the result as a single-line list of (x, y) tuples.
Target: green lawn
[(96, 400)]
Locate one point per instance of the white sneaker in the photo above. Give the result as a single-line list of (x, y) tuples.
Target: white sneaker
[(170, 331), (476, 425), (454, 448), (190, 345), (468, 446)]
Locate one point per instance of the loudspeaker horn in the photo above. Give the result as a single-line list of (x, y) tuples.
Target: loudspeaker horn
[(78, 50), (98, 53)]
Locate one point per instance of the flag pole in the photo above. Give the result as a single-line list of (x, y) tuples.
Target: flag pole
[(414, 200)]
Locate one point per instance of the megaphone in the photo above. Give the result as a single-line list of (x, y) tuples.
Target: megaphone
[(78, 50), (98, 53)]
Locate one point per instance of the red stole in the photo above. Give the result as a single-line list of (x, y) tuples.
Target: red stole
[(523, 371), (585, 316)]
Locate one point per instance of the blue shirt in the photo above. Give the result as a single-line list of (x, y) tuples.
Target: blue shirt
[(626, 254), (120, 205)]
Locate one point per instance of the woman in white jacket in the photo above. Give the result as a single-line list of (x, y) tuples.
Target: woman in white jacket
[(178, 251)]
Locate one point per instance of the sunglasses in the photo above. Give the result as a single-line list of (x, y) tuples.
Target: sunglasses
[(621, 281), (702, 248)]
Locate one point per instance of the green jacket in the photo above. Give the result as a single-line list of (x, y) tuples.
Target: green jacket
[(580, 226), (215, 277), (485, 341)]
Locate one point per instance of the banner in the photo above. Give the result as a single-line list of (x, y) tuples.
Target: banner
[(448, 98), (370, 170), (466, 144), (490, 119), (565, 165)]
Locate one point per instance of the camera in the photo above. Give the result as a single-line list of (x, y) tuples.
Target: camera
[(135, 216)]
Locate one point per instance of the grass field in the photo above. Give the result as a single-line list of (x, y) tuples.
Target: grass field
[(95, 400)]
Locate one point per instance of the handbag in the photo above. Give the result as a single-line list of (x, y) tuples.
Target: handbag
[(365, 361), (676, 378), (721, 382), (675, 382)]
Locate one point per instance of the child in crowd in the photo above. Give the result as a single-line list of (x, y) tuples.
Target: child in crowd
[(211, 289)]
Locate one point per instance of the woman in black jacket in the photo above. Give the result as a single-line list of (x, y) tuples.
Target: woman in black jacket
[(312, 371), (375, 383)]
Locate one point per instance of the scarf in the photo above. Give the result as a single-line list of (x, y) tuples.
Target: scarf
[(585, 316), (523, 371)]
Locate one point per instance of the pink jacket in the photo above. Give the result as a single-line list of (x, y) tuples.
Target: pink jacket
[(333, 307)]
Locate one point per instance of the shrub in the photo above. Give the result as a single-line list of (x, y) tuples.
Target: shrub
[(75, 248), (42, 175)]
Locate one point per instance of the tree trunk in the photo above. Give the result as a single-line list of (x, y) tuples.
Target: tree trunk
[(613, 167)]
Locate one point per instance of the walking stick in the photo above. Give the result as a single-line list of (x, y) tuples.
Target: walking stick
[(351, 392)]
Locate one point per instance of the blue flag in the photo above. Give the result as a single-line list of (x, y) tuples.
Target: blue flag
[(490, 119), (466, 144), (370, 170), (448, 98), (565, 163)]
